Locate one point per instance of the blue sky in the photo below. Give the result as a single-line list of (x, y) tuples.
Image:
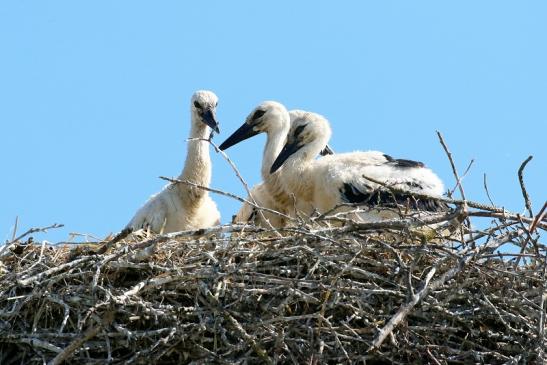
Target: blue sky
[(94, 96)]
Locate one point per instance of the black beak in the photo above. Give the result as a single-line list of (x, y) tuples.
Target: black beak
[(285, 153), (209, 118), (242, 133), (326, 151)]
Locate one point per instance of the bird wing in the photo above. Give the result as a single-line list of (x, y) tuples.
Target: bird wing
[(152, 215), (366, 178)]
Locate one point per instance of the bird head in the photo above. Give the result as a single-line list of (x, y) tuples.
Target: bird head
[(309, 133), (269, 117), (296, 114), (204, 104)]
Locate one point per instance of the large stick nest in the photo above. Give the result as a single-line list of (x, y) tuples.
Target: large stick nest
[(357, 294)]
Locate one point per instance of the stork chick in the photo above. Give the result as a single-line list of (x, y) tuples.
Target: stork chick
[(179, 206), (272, 118), (342, 178)]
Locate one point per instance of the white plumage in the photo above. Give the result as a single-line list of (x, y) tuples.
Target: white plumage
[(179, 206), (332, 180), (272, 118), (249, 214)]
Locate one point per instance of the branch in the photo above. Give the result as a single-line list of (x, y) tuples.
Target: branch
[(527, 202), (30, 231), (230, 195), (91, 332), (452, 164), (240, 177), (402, 312)]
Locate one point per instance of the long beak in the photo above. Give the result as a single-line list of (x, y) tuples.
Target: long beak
[(285, 153), (209, 118), (326, 151), (242, 133)]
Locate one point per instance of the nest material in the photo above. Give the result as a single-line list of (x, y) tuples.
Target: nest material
[(354, 294)]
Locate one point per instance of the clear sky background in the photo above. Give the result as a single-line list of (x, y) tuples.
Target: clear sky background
[(94, 96)]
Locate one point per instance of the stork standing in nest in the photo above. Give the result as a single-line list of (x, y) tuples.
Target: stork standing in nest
[(179, 206), (272, 118), (331, 181)]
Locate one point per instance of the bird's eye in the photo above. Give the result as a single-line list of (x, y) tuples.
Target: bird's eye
[(196, 104), (216, 104), (298, 130), (258, 114)]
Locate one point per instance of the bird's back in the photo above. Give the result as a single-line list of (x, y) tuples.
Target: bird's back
[(350, 178)]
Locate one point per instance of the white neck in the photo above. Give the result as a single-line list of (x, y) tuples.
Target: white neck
[(274, 144), (297, 169), (197, 168)]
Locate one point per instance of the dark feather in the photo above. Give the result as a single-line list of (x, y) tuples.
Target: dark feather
[(399, 162), (252, 216), (388, 199), (299, 130), (258, 114)]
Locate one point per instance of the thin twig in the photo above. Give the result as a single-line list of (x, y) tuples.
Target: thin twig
[(120, 236), (462, 177), (487, 191), (539, 218), (91, 332), (230, 195), (30, 231), (35, 230), (240, 177), (452, 164), (458, 181), (527, 202), (15, 228)]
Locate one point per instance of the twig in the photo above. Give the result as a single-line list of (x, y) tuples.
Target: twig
[(487, 191), (539, 218), (15, 228), (458, 181), (37, 229), (33, 342), (53, 270), (144, 285), (396, 223), (462, 177), (91, 332), (542, 310), (256, 347), (230, 195), (30, 231), (243, 182), (452, 164), (402, 313), (117, 238), (527, 202), (230, 162), (229, 228), (530, 230), (437, 362)]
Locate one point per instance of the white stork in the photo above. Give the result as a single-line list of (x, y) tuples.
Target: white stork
[(330, 181), (179, 206)]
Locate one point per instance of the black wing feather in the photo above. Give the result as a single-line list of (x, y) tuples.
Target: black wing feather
[(400, 162), (383, 198)]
